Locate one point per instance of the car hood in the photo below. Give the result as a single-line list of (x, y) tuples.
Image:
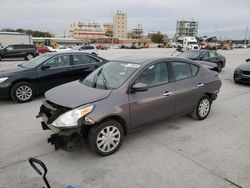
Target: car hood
[(75, 94), (244, 66), (8, 72)]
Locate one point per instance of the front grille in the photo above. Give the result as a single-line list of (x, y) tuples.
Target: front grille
[(52, 111), (246, 72)]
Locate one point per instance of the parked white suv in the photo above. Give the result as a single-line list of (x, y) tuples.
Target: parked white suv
[(88, 49)]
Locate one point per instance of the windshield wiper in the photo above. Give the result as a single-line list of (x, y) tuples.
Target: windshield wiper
[(105, 83), (20, 65)]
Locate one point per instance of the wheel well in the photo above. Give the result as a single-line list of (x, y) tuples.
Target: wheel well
[(210, 95), (120, 120), (26, 80)]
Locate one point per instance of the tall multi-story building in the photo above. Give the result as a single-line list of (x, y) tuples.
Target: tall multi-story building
[(120, 25), (85, 31), (137, 32), (186, 28)]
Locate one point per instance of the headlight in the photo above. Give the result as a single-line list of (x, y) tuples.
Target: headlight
[(3, 79), (70, 118), (237, 70)]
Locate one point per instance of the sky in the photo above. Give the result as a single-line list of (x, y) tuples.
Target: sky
[(225, 19)]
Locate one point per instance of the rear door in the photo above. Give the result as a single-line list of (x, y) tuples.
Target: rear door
[(187, 87), (157, 102), (83, 65), (58, 71)]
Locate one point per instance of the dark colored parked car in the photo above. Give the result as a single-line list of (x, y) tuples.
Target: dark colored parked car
[(27, 51), (45, 72), (124, 95), (242, 73), (205, 55)]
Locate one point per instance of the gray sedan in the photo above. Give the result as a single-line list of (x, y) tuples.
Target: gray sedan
[(124, 95)]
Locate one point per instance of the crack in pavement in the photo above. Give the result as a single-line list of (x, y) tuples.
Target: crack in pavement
[(24, 160), (233, 183)]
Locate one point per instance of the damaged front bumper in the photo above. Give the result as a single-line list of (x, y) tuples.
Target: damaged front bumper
[(65, 138)]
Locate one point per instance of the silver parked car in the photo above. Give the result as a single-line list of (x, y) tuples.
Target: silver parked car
[(124, 95)]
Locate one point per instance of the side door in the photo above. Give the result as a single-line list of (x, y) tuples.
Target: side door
[(186, 87), (54, 72), (83, 65), (156, 103), (10, 51), (19, 50), (214, 57)]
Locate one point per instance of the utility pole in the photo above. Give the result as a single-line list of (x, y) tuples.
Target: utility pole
[(245, 42)]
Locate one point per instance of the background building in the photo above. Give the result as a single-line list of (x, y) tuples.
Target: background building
[(137, 32), (85, 31), (7, 38), (120, 25), (186, 28)]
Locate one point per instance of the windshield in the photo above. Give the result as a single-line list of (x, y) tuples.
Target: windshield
[(36, 61), (190, 54), (111, 75)]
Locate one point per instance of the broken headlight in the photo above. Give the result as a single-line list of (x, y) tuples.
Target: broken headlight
[(70, 118)]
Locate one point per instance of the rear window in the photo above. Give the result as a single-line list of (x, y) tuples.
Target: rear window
[(194, 69), (181, 70)]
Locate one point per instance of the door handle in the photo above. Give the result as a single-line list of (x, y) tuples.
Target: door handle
[(200, 85), (167, 93)]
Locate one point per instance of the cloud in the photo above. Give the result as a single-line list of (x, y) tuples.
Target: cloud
[(56, 15)]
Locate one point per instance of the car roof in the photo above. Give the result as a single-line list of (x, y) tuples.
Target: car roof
[(149, 59), (68, 52)]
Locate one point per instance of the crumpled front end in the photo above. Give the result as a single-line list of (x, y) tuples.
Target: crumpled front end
[(65, 137)]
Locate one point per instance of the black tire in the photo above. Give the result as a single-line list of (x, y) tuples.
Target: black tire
[(96, 132), (198, 113), (29, 56), (220, 66), (19, 87)]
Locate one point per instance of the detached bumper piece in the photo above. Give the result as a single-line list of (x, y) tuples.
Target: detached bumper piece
[(65, 142)]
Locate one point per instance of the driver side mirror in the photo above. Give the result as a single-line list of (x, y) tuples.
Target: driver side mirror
[(248, 60), (44, 67), (139, 87)]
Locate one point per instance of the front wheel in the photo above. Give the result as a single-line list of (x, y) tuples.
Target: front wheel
[(220, 66), (29, 57), (106, 138), (22, 92), (202, 108)]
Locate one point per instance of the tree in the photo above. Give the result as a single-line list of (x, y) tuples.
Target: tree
[(158, 38), (34, 33), (109, 33)]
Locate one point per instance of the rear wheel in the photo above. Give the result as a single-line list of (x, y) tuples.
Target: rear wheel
[(106, 138), (22, 92), (202, 108), (29, 56)]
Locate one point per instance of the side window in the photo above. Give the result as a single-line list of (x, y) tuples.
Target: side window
[(83, 48), (181, 70), (204, 55), (154, 75), (194, 69), (10, 48), (83, 59), (59, 61), (212, 54)]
